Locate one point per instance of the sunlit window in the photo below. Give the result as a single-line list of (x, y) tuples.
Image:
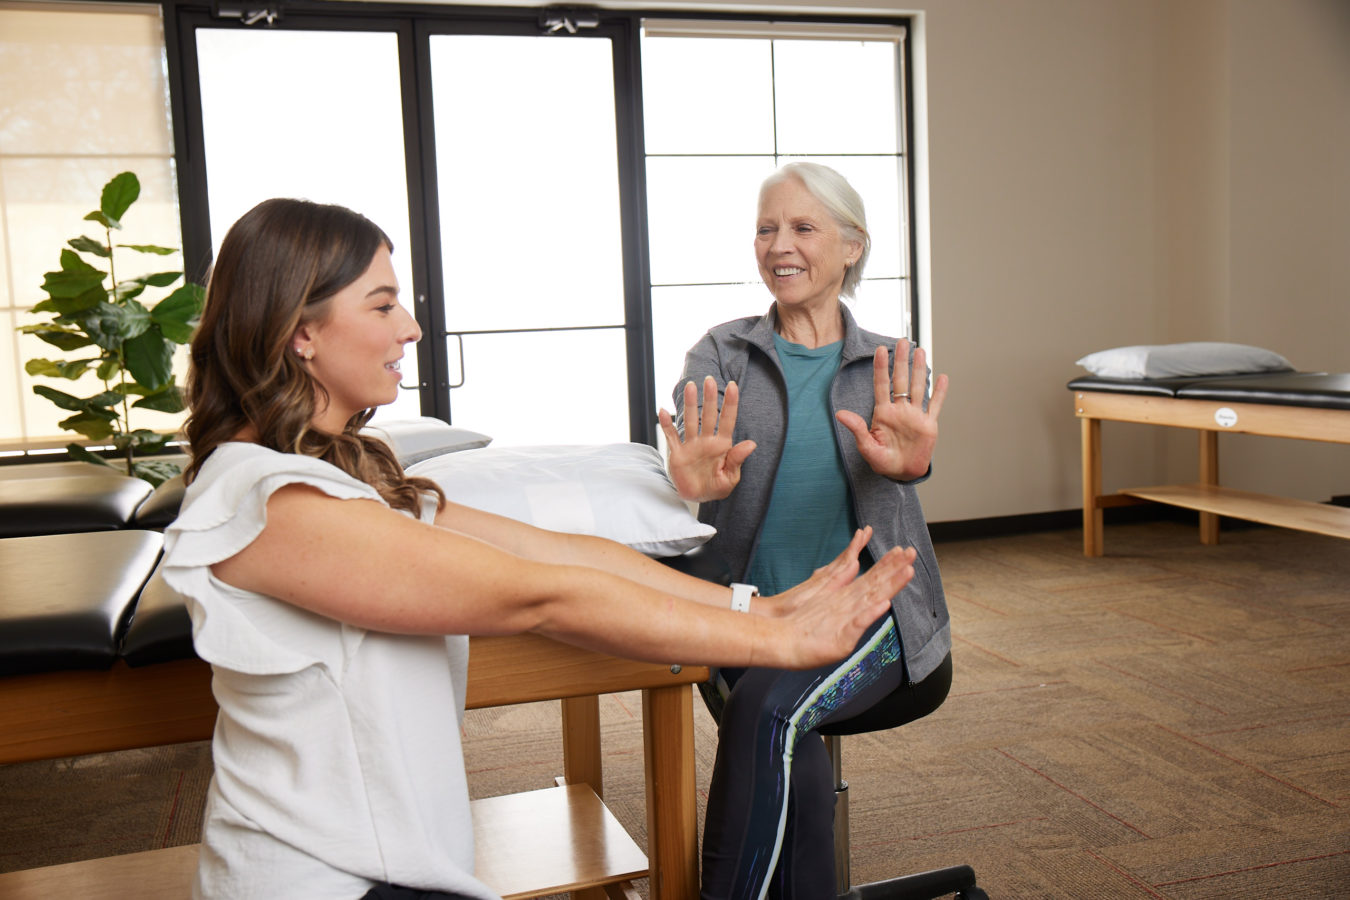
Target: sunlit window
[(287, 114), (724, 110)]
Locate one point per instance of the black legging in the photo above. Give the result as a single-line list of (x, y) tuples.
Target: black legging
[(770, 822)]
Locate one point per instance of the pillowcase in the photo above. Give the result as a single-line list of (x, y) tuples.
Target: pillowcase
[(422, 438), (1178, 360), (617, 491)]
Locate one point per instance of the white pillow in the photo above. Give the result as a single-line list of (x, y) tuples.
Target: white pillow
[(617, 491), (417, 439), (1178, 360)]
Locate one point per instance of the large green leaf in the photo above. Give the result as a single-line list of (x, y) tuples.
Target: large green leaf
[(150, 248), (89, 245), (159, 279), (131, 389), (58, 336), (109, 367), (169, 399), (149, 358), (113, 324), (91, 425), (101, 404), (127, 290), (60, 398), (177, 314), (75, 278), (58, 368), (119, 194), (155, 471), (67, 306)]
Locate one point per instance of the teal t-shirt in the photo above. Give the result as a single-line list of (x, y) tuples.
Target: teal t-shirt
[(810, 518)]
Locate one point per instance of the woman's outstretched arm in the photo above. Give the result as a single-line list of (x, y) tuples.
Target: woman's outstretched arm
[(359, 562)]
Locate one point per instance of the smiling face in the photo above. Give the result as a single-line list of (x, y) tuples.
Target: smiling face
[(801, 252), (357, 342)]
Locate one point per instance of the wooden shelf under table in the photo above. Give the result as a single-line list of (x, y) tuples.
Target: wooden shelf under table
[(1285, 512)]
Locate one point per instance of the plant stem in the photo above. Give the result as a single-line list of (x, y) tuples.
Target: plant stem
[(121, 359)]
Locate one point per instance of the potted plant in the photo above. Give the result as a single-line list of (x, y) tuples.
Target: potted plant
[(111, 330)]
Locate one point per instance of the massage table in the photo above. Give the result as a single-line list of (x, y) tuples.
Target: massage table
[(1312, 406)]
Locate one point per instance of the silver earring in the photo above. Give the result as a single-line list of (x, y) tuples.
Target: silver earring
[(306, 353)]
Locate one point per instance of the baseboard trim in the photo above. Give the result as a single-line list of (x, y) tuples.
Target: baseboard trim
[(1057, 520), (1066, 519)]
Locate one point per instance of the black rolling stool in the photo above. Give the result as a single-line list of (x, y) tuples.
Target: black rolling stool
[(903, 706)]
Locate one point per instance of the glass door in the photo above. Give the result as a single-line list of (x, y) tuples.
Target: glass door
[(311, 114), (530, 245)]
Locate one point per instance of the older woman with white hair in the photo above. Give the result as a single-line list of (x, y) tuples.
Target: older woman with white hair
[(796, 426)]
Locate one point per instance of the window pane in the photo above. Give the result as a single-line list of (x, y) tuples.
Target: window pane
[(528, 186), (881, 306), (701, 204), (680, 316), (11, 425), (701, 218), (558, 387), (707, 95), (314, 115), (836, 97)]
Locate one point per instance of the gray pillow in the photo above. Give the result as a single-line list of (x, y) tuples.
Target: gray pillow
[(1180, 360), (422, 438)]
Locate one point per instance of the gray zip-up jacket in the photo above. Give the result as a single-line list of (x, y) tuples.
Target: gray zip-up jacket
[(742, 351)]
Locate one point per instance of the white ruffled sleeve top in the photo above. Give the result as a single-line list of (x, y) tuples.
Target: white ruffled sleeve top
[(337, 750)]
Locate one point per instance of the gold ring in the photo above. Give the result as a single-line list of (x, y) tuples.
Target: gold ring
[(895, 394)]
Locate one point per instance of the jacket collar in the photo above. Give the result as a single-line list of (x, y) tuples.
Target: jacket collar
[(857, 343)]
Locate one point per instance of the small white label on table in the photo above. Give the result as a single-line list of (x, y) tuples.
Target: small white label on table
[(1225, 416)]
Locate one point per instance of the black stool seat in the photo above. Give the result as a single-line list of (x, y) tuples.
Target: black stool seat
[(903, 705), (64, 598)]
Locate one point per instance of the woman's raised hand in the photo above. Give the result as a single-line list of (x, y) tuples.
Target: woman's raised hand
[(705, 464), (899, 442), (829, 628)]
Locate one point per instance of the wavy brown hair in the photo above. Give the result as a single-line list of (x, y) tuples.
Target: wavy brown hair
[(276, 269)]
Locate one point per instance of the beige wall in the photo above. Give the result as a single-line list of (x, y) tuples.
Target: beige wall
[(1117, 172)]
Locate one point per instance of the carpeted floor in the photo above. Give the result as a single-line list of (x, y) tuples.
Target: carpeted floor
[(1169, 721)]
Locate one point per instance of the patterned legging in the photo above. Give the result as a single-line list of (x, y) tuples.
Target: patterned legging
[(769, 828)]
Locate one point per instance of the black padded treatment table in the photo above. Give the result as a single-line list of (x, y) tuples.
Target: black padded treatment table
[(1311, 406)]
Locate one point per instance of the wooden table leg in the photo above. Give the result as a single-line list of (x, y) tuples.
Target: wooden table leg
[(1093, 543), (581, 758), (1209, 474), (581, 742), (672, 832)]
